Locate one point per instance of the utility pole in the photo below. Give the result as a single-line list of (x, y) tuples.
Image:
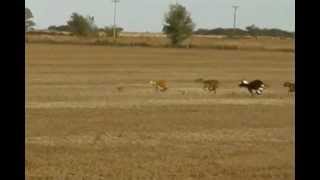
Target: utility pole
[(235, 18), (114, 19)]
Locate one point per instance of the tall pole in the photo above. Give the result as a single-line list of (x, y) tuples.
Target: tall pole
[(235, 16), (114, 19)]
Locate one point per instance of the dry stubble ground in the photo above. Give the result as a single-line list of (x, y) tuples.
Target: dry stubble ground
[(79, 126)]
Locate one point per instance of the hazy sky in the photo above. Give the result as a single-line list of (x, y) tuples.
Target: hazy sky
[(148, 15)]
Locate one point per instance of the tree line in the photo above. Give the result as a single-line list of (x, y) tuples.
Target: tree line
[(77, 24), (84, 26), (251, 30), (178, 26)]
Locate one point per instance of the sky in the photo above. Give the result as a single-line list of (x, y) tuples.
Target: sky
[(148, 15)]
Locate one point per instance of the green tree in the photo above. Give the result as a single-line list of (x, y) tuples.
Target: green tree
[(82, 26), (253, 30), (178, 24), (27, 17), (59, 28)]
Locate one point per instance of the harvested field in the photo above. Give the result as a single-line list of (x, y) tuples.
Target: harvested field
[(197, 41), (80, 126)]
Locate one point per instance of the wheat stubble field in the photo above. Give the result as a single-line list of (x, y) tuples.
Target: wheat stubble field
[(79, 126)]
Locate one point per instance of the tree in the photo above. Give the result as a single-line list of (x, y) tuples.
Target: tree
[(178, 24), (82, 26), (27, 17), (59, 28), (253, 30)]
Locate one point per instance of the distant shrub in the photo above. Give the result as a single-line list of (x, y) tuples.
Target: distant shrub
[(60, 28), (109, 31)]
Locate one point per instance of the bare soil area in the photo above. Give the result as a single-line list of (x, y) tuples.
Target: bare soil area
[(79, 126)]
